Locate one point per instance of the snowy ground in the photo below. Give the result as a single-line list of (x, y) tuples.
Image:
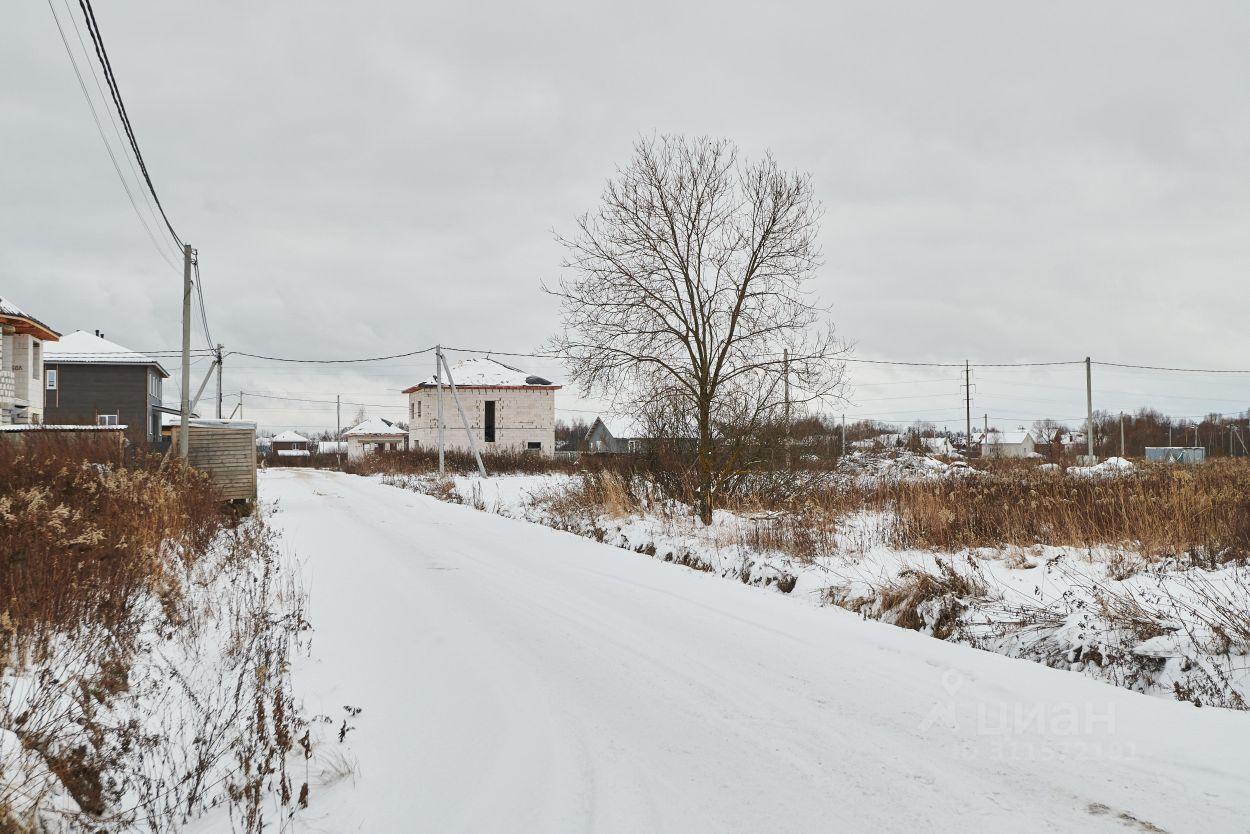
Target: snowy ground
[(1155, 626), (511, 677)]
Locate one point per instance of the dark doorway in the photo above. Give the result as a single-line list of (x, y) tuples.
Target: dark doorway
[(490, 421)]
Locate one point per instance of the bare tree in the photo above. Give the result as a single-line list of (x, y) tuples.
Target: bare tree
[(688, 284)]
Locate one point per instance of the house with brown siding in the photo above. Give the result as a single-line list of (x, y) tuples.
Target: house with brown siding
[(90, 381)]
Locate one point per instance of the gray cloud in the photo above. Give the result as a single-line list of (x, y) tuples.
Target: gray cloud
[(1001, 182)]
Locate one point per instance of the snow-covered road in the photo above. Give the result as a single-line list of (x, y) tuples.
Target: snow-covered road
[(515, 678)]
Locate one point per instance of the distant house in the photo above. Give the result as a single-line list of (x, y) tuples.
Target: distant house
[(289, 441), (23, 340), (376, 434), (887, 440), (613, 435), (1008, 444), (91, 381), (1073, 442), (507, 409), (940, 446)]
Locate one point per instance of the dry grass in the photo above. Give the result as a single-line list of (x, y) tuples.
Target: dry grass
[(81, 539), (920, 600), (144, 641), (1202, 512)]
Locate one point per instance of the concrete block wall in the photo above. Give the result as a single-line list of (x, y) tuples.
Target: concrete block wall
[(522, 416)]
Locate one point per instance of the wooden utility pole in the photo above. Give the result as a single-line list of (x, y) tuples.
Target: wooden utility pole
[(464, 421), (968, 406), (338, 428), (219, 358), (1089, 409), (842, 451), (438, 382), (185, 411), (1122, 434)]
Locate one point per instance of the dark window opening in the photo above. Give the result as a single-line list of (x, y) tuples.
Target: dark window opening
[(490, 421), (534, 446)]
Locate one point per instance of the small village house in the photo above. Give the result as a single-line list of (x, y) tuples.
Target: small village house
[(940, 446), (91, 381), (1008, 444), (290, 444), (374, 435), (612, 435), (507, 409), (23, 340)]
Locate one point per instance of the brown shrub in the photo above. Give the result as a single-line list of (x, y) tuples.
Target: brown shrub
[(81, 537), (1200, 512)]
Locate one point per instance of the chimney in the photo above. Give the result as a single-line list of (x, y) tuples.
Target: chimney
[(97, 334)]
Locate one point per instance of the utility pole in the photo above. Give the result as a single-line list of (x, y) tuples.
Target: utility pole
[(219, 357), (785, 370), (842, 450), (968, 406), (464, 420), (1089, 409), (438, 382), (183, 439), (338, 428), (1122, 434), (240, 405)]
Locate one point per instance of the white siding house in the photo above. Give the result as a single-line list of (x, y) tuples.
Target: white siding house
[(374, 435), (507, 410), (1008, 444), (21, 365)]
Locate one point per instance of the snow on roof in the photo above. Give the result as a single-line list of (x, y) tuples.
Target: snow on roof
[(1005, 438), (484, 372), (11, 310), (81, 347), (289, 436), (56, 427), (620, 426), (374, 425), (331, 447), (293, 453)]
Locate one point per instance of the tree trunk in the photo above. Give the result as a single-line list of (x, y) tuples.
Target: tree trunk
[(705, 465)]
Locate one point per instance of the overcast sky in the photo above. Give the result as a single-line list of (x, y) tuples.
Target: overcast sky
[(1002, 181)]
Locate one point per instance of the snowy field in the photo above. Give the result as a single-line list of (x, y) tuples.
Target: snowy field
[(510, 677)]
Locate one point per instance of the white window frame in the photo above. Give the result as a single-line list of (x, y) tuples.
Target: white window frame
[(51, 380), (107, 419)]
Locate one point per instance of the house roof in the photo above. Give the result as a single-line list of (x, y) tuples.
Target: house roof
[(619, 426), (374, 425), (23, 322), (83, 348), (1005, 438), (289, 436), (484, 372)]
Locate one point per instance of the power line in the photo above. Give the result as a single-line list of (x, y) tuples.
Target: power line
[(93, 29), (330, 361), (95, 117), (1176, 370)]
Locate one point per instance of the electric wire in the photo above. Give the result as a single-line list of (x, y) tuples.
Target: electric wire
[(93, 29)]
